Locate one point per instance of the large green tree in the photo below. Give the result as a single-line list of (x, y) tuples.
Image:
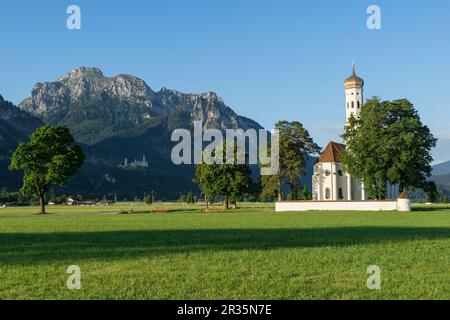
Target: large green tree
[(296, 145), (50, 157), (388, 143), (232, 181)]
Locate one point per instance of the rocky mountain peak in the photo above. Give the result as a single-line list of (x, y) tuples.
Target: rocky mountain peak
[(81, 72), (96, 107)]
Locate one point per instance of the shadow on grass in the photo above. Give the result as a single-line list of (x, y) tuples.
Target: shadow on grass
[(29, 248), (422, 209)]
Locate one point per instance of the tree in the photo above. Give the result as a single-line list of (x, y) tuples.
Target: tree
[(388, 144), (206, 176), (305, 193), (232, 181), (296, 145), (270, 187), (50, 157), (432, 192), (148, 199)]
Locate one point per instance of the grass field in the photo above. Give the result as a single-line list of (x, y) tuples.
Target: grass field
[(250, 253)]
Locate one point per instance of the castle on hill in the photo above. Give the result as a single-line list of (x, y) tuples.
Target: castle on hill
[(134, 164)]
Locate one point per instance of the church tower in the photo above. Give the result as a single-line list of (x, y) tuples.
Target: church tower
[(353, 95)]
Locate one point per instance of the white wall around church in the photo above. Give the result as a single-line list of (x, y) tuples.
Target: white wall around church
[(338, 205)]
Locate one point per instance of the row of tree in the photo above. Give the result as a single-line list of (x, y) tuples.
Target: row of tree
[(387, 144), (234, 181)]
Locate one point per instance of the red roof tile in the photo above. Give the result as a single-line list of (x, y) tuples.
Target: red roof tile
[(332, 152)]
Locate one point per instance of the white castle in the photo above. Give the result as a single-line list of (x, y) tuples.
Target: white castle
[(330, 181), (135, 163)]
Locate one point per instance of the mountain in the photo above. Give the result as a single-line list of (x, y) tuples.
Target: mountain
[(15, 126), (441, 169), (121, 117), (443, 183), (441, 175), (442, 151), (96, 107)]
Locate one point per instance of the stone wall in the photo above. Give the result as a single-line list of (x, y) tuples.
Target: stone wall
[(340, 206)]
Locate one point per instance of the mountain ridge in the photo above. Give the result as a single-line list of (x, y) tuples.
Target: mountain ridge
[(96, 107), (441, 168)]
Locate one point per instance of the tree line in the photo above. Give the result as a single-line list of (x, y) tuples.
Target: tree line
[(388, 143)]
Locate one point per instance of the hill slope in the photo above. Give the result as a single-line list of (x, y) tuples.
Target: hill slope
[(442, 168), (15, 126)]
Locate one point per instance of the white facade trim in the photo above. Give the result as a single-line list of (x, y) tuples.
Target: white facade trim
[(394, 205)]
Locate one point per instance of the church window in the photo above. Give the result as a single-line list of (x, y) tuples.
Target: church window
[(348, 106), (327, 193), (358, 104), (341, 194), (327, 172), (340, 173), (353, 104)]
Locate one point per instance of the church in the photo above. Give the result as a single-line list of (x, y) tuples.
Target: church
[(330, 182)]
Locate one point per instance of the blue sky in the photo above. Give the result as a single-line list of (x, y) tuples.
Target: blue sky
[(269, 60)]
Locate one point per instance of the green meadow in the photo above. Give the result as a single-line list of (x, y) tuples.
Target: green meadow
[(171, 251)]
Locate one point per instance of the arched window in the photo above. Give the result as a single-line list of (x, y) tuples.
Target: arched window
[(353, 104), (327, 172), (358, 104), (327, 193), (341, 194), (340, 172), (348, 105)]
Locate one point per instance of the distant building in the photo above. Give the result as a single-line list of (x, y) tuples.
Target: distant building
[(71, 201), (135, 163)]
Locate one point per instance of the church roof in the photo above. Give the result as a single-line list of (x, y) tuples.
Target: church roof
[(404, 195), (353, 81), (332, 152)]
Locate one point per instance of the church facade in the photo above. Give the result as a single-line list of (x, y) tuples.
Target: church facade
[(330, 182)]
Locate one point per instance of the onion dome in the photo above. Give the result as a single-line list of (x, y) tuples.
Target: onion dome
[(353, 81)]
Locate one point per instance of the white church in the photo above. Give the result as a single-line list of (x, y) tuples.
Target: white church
[(332, 187)]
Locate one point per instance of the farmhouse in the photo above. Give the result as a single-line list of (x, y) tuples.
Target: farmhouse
[(71, 201)]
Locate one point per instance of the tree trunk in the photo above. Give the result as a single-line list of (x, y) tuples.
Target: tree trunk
[(206, 202), (292, 189), (42, 201), (225, 203), (280, 197)]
